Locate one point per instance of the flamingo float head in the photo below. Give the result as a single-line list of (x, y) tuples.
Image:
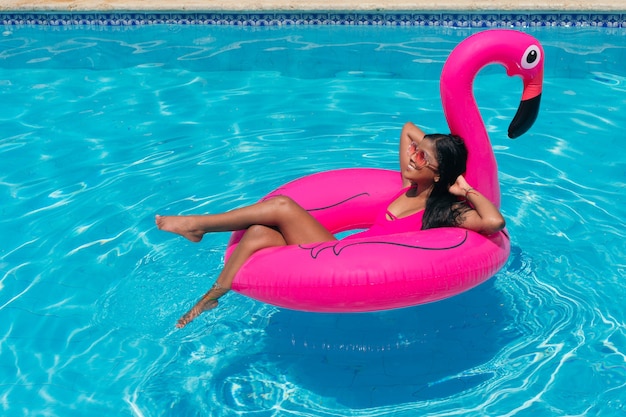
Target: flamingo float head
[(521, 55), (530, 68)]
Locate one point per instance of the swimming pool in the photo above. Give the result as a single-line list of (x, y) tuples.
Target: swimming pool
[(104, 127)]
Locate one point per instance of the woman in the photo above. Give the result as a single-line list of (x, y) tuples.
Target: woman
[(431, 167)]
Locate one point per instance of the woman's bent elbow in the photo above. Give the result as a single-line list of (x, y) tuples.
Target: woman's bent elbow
[(494, 226)]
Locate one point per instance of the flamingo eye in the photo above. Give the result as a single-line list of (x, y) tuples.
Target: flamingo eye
[(531, 57)]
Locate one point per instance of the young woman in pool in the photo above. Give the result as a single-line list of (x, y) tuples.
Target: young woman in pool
[(434, 194)]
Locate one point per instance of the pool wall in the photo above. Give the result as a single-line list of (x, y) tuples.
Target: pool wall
[(615, 19)]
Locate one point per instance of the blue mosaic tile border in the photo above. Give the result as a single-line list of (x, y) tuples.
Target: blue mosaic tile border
[(446, 19)]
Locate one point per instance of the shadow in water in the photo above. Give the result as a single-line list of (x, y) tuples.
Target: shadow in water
[(378, 359), (335, 361)]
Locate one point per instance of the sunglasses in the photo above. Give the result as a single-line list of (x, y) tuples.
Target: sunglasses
[(421, 158)]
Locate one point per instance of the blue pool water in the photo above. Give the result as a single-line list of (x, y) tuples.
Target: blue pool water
[(102, 128)]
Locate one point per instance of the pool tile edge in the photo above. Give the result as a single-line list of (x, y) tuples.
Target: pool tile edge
[(462, 19)]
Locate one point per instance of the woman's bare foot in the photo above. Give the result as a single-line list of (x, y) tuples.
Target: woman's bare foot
[(200, 307), (181, 225), (207, 302)]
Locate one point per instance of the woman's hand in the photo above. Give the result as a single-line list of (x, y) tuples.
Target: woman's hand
[(460, 187), (484, 217)]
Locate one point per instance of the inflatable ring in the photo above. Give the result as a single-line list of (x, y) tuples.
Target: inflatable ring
[(415, 267)]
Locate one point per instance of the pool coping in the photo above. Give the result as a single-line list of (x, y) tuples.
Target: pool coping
[(310, 5)]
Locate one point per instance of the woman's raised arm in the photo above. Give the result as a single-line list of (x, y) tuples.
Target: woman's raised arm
[(485, 218), (410, 133)]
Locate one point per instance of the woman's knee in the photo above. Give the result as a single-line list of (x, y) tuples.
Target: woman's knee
[(285, 205), (259, 236)]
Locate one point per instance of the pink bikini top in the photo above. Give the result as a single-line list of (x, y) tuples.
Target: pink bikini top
[(385, 226)]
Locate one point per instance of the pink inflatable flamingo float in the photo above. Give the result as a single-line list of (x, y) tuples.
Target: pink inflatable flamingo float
[(420, 266)]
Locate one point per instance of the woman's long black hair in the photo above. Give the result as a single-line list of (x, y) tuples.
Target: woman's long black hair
[(442, 207)]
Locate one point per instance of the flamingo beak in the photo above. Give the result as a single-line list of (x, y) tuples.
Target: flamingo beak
[(528, 108)]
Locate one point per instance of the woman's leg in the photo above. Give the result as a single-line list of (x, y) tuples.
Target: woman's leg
[(254, 239), (292, 221), (275, 222)]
